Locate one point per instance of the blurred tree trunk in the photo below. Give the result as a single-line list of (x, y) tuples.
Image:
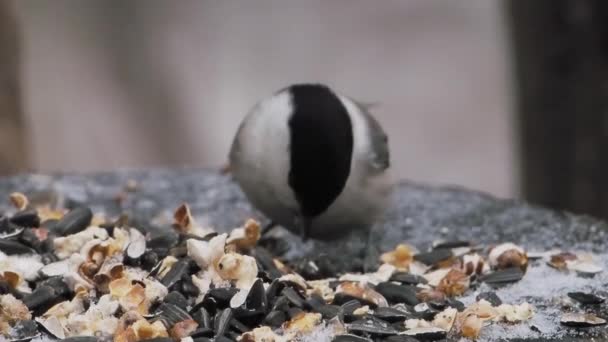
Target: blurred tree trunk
[(12, 138), (561, 65)]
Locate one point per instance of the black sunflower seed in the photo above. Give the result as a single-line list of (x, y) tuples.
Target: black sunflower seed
[(59, 285), (281, 303), (28, 237), (294, 312), (391, 315), (576, 320), (328, 311), (222, 295), (81, 339), (407, 278), (275, 318), (12, 247), (372, 326), (50, 224), (176, 272), (434, 257), (265, 259), (202, 317), (187, 287), (75, 221), (426, 334), (293, 297), (350, 338), (203, 339), (202, 332), (491, 297), (314, 302), (171, 314), (273, 290), (400, 338), (26, 218), (501, 277), (398, 293), (176, 299), (256, 299), (24, 329), (425, 311), (222, 322), (41, 299), (164, 241), (223, 339), (347, 311), (586, 298), (451, 244), (148, 260), (238, 326)]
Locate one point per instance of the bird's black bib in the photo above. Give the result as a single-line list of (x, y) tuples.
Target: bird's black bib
[(321, 147)]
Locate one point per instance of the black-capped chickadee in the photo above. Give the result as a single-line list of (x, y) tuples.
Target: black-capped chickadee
[(314, 161)]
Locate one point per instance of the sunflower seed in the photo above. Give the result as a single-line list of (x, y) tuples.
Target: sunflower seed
[(176, 272), (176, 299), (171, 314), (75, 221), (275, 318), (293, 297), (202, 317), (426, 334), (351, 338), (222, 321), (579, 320), (434, 257), (491, 297), (12, 247), (505, 276), (372, 326), (398, 293), (407, 278), (391, 315), (586, 298), (26, 218)]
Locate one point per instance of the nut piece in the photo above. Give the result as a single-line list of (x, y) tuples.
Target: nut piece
[(185, 223), (12, 309), (471, 326), (515, 313), (19, 200), (262, 334), (242, 268), (435, 277), (401, 257), (303, 322), (508, 255), (474, 264), (430, 295), (245, 237), (363, 292), (66, 246), (183, 329), (322, 288), (445, 319), (455, 283)]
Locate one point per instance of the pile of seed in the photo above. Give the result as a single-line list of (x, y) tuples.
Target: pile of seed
[(69, 274)]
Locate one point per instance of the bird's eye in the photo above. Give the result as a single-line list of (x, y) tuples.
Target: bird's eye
[(220, 266)]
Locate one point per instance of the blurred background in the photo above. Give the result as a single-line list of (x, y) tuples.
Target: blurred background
[(506, 97)]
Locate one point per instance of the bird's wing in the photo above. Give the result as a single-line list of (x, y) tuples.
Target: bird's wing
[(379, 152)]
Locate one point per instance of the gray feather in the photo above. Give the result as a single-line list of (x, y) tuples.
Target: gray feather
[(380, 155)]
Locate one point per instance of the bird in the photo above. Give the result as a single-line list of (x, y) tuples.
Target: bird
[(313, 161)]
